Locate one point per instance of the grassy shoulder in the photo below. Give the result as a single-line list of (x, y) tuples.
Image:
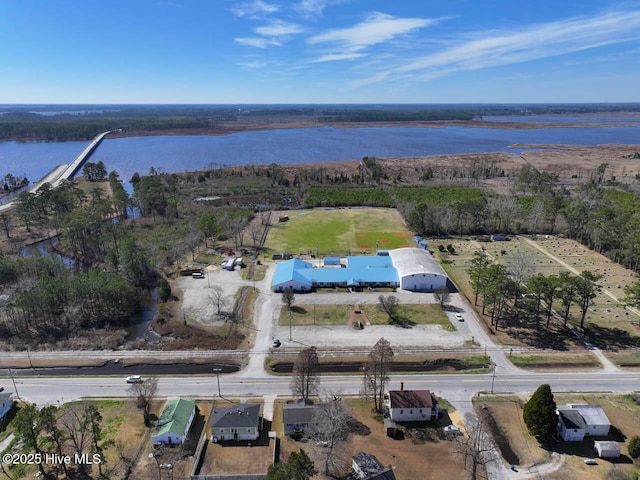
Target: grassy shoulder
[(555, 361), (419, 314)]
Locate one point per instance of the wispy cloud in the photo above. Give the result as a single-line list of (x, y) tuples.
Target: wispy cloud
[(377, 28), (258, 42), (540, 41), (314, 8), (253, 8), (279, 28)]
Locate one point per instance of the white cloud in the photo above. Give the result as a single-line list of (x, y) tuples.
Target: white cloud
[(257, 42), (331, 57), (532, 43), (253, 8), (314, 8), (278, 28), (377, 28)]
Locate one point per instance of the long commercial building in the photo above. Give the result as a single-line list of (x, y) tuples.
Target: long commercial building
[(412, 269)]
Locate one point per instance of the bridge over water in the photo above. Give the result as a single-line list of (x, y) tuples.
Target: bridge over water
[(63, 172)]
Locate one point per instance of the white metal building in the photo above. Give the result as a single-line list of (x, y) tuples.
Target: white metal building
[(418, 270)]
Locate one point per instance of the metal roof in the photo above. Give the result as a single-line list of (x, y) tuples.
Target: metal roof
[(412, 261), (175, 417), (593, 414)]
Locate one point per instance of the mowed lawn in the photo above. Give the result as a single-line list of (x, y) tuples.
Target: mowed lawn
[(339, 232)]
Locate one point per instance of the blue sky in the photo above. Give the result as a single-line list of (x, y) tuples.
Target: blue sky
[(319, 51)]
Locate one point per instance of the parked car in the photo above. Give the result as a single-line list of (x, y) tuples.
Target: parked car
[(590, 461), (1, 389), (134, 379), (197, 275), (276, 343), (459, 317)]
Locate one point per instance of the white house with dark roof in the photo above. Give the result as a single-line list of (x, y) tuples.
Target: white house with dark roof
[(411, 405), (241, 421), (576, 421)]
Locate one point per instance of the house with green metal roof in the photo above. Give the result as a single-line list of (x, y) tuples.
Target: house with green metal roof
[(174, 423)]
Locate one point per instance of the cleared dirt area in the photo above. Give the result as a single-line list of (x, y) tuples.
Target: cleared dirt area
[(432, 459)]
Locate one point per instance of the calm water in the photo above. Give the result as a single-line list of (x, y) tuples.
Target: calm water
[(292, 146)]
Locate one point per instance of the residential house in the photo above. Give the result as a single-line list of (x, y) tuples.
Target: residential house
[(6, 402), (368, 467), (241, 421), (411, 405), (174, 422), (298, 418), (575, 421)]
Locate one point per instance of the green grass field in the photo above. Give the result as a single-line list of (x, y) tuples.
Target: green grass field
[(338, 232)]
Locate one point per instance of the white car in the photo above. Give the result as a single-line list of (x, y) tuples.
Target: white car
[(276, 343), (134, 379), (459, 317)]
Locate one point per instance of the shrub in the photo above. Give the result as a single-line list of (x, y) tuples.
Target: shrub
[(634, 446)]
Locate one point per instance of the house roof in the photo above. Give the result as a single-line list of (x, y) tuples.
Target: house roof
[(412, 399), (371, 467), (298, 414), (175, 417), (240, 415), (572, 418), (592, 414), (5, 396)]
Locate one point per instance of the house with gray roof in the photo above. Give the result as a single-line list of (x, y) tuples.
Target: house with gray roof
[(368, 467), (241, 421), (175, 422), (298, 418), (575, 421)]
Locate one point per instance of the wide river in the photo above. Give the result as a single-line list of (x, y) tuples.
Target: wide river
[(305, 145)]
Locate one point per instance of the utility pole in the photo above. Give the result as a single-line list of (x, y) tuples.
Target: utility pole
[(493, 377), (217, 372), (15, 387)]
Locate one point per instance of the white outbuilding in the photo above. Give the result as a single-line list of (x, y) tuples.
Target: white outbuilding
[(607, 449)]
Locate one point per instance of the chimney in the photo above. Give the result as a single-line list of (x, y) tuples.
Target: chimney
[(401, 386)]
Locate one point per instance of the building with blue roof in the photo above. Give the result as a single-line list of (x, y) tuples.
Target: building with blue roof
[(408, 268)]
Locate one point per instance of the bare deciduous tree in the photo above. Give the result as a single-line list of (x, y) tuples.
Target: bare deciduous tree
[(144, 393), (376, 371), (389, 305), (442, 295), (217, 298), (305, 374), (331, 431), (288, 298), (476, 446)]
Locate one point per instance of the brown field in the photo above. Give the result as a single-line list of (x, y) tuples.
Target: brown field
[(425, 461), (242, 457), (622, 411)]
